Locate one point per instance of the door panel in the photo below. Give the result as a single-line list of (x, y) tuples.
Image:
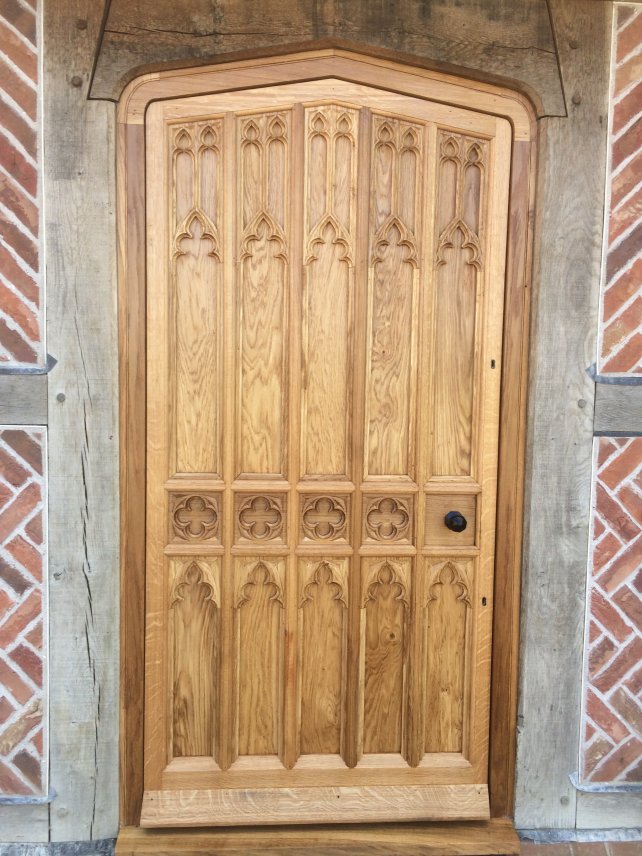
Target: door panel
[(325, 290)]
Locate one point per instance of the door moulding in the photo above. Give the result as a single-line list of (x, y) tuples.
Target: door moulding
[(358, 68)]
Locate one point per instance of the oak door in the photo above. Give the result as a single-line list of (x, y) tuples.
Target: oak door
[(325, 278)]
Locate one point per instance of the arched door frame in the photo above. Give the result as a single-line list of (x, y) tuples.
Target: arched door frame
[(359, 68)]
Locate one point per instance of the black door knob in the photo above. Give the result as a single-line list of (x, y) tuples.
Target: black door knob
[(455, 521)]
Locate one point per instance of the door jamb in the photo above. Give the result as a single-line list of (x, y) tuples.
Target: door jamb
[(446, 88)]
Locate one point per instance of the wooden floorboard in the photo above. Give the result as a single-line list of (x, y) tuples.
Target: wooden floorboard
[(490, 838)]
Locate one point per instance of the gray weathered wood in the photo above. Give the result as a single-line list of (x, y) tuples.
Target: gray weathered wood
[(79, 187), (511, 41), (609, 811), (567, 276), (23, 399), (24, 823), (618, 409)]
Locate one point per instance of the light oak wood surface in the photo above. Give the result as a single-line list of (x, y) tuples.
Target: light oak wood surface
[(309, 247)]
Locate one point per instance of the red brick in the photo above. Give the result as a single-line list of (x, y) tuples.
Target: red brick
[(622, 326), (623, 288), (19, 204), (631, 140), (594, 753), (623, 663), (634, 682), (17, 167), (624, 14), (611, 769), (22, 19), (5, 493), (630, 604), (14, 578), (17, 277), (34, 529), (626, 462), (6, 709), (628, 708), (19, 54), (604, 718), (25, 446), (18, 90), (628, 359), (605, 450), (625, 180), (29, 662), (11, 470), (632, 501), (598, 528), (637, 581), (532, 848), (13, 735), (22, 506), (27, 555), (15, 344), (628, 38), (34, 636), (20, 618), (6, 603), (30, 767), (14, 684), (613, 514), (628, 248), (625, 216), (13, 123), (10, 783), (599, 655), (37, 741), (589, 731), (604, 551), (609, 617), (588, 848), (628, 73), (624, 848), (627, 108), (594, 632), (24, 245), (18, 310)]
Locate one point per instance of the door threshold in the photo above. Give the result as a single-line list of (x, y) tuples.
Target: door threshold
[(496, 837)]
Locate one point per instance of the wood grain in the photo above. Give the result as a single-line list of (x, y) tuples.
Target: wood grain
[(23, 399), (473, 838), (79, 185), (618, 409), (313, 805), (560, 442), (267, 535)]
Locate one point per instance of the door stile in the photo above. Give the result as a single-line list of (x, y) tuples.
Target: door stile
[(497, 184), (417, 670), (293, 630), (356, 642), (228, 737), (157, 689)]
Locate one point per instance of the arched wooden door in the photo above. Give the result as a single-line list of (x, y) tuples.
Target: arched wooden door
[(325, 285)]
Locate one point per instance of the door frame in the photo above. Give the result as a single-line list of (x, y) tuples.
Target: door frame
[(360, 68)]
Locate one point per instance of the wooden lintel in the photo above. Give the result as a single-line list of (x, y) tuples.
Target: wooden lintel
[(618, 410)]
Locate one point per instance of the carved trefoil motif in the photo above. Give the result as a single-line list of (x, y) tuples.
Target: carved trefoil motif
[(326, 574), (195, 517), (260, 517), (453, 574), (388, 518), (324, 518), (198, 575), (256, 575)]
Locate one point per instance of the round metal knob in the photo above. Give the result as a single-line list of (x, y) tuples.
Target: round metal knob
[(455, 521)]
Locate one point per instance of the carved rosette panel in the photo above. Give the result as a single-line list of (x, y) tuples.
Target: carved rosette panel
[(261, 309), (325, 518), (331, 140), (195, 517), (388, 519), (395, 217), (260, 518)]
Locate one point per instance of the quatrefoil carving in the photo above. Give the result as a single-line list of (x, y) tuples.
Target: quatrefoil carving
[(387, 519), (195, 517), (324, 517), (260, 518)]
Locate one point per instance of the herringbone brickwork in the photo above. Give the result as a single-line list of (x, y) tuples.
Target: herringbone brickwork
[(20, 279), (612, 741), (22, 551), (621, 327)]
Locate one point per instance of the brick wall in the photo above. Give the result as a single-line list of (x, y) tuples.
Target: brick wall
[(612, 712), (22, 448)]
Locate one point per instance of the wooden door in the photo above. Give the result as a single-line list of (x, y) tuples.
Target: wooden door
[(325, 266)]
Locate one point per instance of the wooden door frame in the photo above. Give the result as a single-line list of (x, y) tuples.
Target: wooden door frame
[(360, 68)]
